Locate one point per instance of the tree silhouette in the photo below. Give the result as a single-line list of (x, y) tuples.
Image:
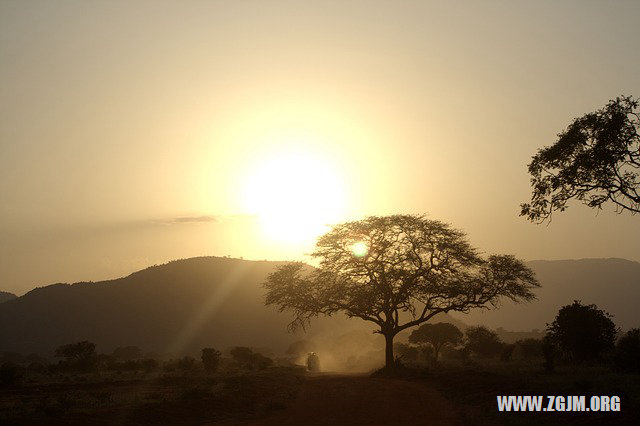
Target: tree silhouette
[(583, 332), (81, 355), (595, 160), (210, 359), (397, 272), (483, 342), (437, 335), (627, 355)]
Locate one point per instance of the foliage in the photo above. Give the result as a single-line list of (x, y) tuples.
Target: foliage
[(529, 348), (483, 342), (127, 353), (549, 352), (595, 160), (81, 355), (185, 364), (10, 373), (210, 359), (250, 360), (627, 354), (437, 335), (412, 269), (406, 353), (507, 351), (583, 332)]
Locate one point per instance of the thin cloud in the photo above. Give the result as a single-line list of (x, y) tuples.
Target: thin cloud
[(194, 219)]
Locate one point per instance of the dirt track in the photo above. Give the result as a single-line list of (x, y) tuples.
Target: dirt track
[(362, 400)]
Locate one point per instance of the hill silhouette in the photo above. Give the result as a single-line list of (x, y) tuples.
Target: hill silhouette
[(612, 284), (5, 296), (185, 305), (176, 308)]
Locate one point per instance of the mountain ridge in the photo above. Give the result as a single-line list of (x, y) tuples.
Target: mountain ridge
[(187, 304)]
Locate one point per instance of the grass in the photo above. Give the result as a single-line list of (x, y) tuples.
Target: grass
[(161, 398), (474, 389)]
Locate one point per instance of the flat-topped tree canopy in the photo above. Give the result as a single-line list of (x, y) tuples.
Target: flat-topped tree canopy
[(381, 267)]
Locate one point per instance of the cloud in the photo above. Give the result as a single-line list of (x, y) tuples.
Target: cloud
[(194, 219)]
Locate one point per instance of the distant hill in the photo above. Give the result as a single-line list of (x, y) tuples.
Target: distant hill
[(179, 307), (185, 305), (612, 284), (5, 296)]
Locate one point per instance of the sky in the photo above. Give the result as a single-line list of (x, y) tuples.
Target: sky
[(133, 133)]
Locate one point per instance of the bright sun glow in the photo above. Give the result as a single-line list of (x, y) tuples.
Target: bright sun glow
[(359, 249), (295, 195)]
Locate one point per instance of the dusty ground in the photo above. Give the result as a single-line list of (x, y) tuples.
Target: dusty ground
[(362, 400)]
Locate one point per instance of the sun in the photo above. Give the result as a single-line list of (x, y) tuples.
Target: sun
[(360, 249), (296, 195)]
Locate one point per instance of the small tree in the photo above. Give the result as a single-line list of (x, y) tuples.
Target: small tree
[(81, 355), (583, 332), (396, 272), (627, 355), (483, 342), (210, 359), (437, 335), (596, 161)]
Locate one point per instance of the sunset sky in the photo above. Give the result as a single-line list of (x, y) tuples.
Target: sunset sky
[(133, 133)]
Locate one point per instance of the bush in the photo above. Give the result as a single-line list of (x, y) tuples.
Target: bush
[(507, 352), (210, 359), (127, 353), (10, 373), (78, 356), (406, 353), (483, 342), (529, 348), (250, 360), (627, 354)]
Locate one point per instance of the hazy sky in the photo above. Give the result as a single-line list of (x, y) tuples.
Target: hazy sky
[(136, 132)]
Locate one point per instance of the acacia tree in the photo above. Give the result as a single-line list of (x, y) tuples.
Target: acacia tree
[(437, 335), (483, 342), (396, 272), (596, 160)]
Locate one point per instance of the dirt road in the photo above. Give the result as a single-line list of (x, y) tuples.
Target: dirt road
[(362, 400)]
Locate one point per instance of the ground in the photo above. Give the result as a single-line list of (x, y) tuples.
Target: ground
[(289, 396), (363, 400)]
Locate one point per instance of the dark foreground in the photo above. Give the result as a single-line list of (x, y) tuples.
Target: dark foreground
[(286, 396)]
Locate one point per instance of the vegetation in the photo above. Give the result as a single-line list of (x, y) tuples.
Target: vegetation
[(210, 359), (582, 332), (81, 355), (437, 335), (247, 359), (381, 269), (596, 161), (483, 342), (627, 353)]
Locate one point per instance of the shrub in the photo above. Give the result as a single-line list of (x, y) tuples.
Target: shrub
[(210, 359), (529, 348), (10, 373), (627, 354)]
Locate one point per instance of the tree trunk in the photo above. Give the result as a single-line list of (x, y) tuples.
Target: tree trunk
[(388, 353)]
